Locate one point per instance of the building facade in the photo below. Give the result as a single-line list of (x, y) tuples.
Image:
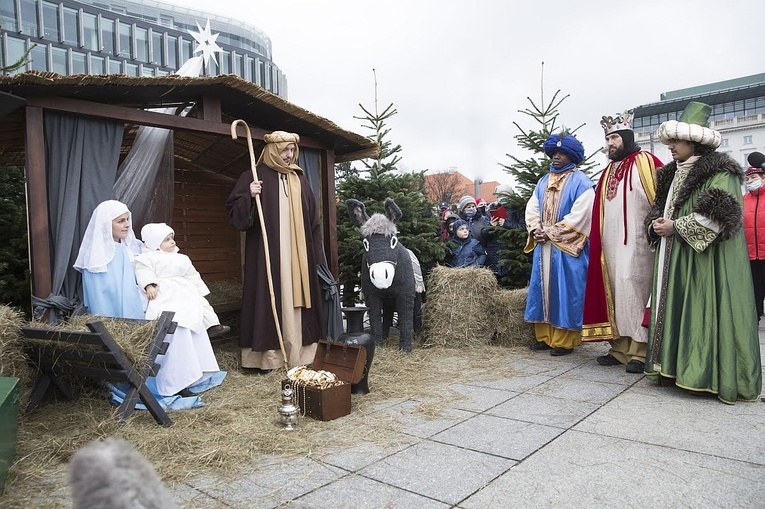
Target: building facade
[(132, 37), (450, 185), (738, 113)]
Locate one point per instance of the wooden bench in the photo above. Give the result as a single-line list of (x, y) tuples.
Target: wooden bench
[(95, 354)]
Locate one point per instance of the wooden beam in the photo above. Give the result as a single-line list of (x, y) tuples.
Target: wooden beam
[(37, 204), (150, 118), (329, 209), (211, 108)]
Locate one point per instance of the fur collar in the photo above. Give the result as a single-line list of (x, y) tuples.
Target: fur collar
[(707, 166)]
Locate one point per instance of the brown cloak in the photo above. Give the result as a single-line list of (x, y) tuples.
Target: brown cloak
[(258, 331)]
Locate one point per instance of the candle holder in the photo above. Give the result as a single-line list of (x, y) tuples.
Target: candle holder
[(288, 411)]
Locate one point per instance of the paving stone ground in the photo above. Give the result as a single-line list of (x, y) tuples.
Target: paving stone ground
[(556, 433)]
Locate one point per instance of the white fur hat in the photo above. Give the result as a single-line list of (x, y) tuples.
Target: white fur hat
[(692, 126)]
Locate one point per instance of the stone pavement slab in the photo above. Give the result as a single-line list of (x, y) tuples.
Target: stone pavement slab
[(271, 482), (582, 470), (578, 390), (363, 454), (418, 424), (516, 383), (478, 399), (499, 436), (670, 417), (561, 413), (358, 492), (438, 471)]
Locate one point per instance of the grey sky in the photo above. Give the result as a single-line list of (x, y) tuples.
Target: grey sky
[(458, 71)]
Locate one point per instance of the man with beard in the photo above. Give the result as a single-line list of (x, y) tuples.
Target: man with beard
[(703, 333), (621, 262), (558, 223)]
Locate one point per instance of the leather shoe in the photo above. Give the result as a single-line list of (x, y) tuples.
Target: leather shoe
[(557, 352), (634, 366), (540, 345), (608, 360), (218, 330)]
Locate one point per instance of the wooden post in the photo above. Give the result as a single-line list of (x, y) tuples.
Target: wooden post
[(37, 204), (329, 210)]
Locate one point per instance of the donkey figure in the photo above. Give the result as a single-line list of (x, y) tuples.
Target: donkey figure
[(387, 278)]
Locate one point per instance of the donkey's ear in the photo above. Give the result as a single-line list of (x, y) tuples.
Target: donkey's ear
[(392, 211), (357, 211)]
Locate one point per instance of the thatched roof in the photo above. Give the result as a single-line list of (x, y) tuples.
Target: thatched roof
[(238, 99)]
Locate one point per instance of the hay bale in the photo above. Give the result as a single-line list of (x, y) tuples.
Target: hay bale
[(511, 329), (12, 362), (459, 310)]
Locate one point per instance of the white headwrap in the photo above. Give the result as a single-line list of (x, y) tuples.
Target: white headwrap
[(675, 130), (152, 234), (97, 248)]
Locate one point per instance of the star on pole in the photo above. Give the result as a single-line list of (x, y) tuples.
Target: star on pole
[(206, 43)]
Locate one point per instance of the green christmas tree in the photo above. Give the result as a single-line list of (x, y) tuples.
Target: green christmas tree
[(526, 173), (376, 181), (14, 257)]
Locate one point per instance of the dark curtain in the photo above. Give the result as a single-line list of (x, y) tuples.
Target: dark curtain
[(81, 157), (309, 160)]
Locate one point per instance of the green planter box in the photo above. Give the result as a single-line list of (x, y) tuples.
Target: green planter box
[(9, 418)]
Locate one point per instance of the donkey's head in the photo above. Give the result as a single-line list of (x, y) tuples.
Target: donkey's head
[(381, 247)]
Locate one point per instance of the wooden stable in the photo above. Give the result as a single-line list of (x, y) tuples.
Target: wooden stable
[(207, 160)]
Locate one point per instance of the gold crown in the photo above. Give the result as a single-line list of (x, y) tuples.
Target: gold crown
[(618, 123)]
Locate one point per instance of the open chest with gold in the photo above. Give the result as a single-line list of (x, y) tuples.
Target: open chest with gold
[(325, 400)]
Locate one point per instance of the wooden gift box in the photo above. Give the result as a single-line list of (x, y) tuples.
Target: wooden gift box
[(347, 363)]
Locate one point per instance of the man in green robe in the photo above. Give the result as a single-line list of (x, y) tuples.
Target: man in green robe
[(703, 330)]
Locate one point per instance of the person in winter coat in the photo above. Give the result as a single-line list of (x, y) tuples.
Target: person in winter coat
[(471, 214), (754, 229), (500, 215), (466, 251)]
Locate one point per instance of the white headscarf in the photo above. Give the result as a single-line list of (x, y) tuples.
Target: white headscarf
[(97, 248), (152, 235)]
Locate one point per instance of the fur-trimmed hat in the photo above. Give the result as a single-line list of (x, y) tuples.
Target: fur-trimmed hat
[(465, 201), (692, 126), (567, 144)]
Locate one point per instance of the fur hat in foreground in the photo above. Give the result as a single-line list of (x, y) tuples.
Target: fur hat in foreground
[(112, 474)]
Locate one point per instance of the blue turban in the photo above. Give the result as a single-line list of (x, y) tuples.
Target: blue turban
[(568, 145)]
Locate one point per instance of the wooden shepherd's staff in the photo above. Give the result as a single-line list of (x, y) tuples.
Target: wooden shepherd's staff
[(253, 166)]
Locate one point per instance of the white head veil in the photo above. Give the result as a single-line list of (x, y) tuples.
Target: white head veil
[(97, 248)]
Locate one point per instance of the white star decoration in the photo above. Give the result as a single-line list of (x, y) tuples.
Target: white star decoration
[(206, 41)]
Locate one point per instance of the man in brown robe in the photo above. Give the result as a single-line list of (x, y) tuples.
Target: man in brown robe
[(295, 247)]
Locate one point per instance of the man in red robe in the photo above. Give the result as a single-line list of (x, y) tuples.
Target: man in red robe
[(621, 262)]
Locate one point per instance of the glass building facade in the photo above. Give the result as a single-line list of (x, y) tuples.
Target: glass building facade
[(738, 113), (137, 38), (742, 97)]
